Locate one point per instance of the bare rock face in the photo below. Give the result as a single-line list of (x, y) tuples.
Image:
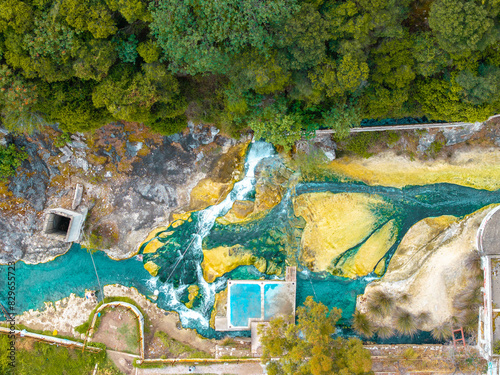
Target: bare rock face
[(326, 144), (323, 143), (23, 200), (428, 271), (133, 180), (242, 209)]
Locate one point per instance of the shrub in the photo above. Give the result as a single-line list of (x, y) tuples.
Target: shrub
[(359, 143), (169, 125), (392, 137), (442, 332), (62, 140), (406, 323), (362, 324), (496, 347), (10, 159), (423, 318), (380, 304), (435, 148), (385, 332)]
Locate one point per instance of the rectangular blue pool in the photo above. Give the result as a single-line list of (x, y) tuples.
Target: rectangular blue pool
[(245, 303)]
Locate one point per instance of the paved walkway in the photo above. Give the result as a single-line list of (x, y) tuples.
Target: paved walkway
[(400, 127), (225, 368), (49, 339)]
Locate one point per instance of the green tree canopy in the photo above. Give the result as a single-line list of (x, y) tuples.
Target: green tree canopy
[(337, 78), (261, 73), (482, 87), (308, 347), (303, 38), (139, 96), (276, 126), (87, 15), (200, 36), (341, 118), (462, 26), (18, 98), (441, 99)]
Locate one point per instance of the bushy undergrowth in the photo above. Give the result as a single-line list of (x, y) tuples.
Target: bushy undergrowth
[(41, 358)]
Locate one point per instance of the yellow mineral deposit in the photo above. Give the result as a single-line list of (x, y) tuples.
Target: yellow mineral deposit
[(473, 168), (220, 306), (334, 224), (152, 268), (208, 192), (371, 252), (239, 213), (193, 290), (219, 260), (217, 185), (154, 244)]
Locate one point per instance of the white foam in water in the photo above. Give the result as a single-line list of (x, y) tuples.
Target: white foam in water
[(152, 282), (187, 316), (206, 220)]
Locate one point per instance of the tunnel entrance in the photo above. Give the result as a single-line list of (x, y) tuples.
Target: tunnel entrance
[(64, 225)]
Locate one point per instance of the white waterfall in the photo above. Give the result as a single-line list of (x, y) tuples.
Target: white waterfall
[(206, 220)]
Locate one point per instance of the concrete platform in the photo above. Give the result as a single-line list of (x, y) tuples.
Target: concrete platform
[(489, 233)]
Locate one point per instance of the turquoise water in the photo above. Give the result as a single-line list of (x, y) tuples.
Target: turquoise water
[(275, 237), (72, 272), (245, 303)]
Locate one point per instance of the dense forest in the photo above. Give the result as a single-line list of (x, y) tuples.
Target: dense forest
[(275, 66)]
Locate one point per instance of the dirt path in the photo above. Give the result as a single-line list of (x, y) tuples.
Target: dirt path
[(118, 330), (123, 361)]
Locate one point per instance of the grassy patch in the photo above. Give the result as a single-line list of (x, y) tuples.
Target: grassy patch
[(177, 348), (131, 336), (41, 358), (228, 341)]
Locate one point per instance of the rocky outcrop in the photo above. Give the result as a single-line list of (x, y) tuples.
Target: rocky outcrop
[(224, 172), (133, 180), (22, 201), (272, 179), (428, 270), (322, 143)]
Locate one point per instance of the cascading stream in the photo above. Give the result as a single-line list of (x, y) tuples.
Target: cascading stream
[(205, 222), (275, 237)]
